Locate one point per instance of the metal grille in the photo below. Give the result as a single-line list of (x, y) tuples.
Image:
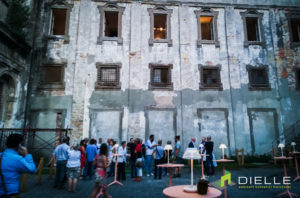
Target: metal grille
[(259, 77), (108, 75), (160, 75), (211, 76), (52, 74)]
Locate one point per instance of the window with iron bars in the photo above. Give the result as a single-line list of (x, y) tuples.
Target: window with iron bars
[(108, 76), (160, 76)]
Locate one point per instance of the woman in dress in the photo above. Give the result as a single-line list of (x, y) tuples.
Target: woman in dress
[(82, 157), (101, 164)]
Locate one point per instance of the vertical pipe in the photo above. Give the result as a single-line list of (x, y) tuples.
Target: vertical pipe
[(192, 174)]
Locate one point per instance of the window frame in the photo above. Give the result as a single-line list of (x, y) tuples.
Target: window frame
[(160, 10), (254, 87), (210, 13), (160, 86), (56, 4), (102, 85), (110, 8), (259, 16), (292, 15), (202, 85), (55, 85)]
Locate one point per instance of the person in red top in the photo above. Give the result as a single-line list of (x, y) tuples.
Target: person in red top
[(139, 160), (82, 156)]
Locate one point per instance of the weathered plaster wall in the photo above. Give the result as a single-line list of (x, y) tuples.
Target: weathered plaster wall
[(135, 111)]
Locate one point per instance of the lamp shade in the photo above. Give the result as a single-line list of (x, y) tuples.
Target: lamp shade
[(223, 146), (281, 146), (191, 153), (293, 144), (168, 147)]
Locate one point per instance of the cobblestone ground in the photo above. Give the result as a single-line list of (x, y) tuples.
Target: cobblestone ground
[(150, 188)]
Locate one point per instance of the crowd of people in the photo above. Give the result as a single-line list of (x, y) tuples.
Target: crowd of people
[(96, 159)]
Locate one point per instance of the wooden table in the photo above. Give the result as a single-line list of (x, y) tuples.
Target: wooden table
[(296, 154), (223, 161), (170, 166), (116, 170), (177, 192), (287, 191)]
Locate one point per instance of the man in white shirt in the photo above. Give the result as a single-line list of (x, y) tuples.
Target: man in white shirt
[(99, 145), (122, 161), (150, 144)]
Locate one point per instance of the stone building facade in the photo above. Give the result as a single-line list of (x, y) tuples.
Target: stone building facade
[(14, 74), (122, 69)]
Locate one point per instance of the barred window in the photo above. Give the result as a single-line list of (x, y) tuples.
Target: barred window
[(258, 77), (108, 76), (52, 76), (160, 77), (210, 77)]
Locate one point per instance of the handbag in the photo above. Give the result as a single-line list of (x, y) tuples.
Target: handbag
[(2, 180)]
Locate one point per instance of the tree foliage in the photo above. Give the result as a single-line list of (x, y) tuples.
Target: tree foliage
[(18, 16)]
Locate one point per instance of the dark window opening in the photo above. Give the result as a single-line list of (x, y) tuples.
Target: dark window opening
[(108, 75), (59, 17), (52, 74), (252, 29), (111, 24), (160, 75), (160, 25), (298, 79), (211, 77), (295, 28), (258, 77), (1, 99), (207, 32)]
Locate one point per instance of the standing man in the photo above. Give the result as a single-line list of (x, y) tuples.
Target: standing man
[(192, 143), (91, 152), (122, 161), (150, 144), (14, 161), (61, 157), (209, 147), (177, 156), (131, 147), (158, 155)]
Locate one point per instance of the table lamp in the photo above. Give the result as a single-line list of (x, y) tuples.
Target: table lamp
[(191, 153), (223, 146), (281, 146), (168, 148), (293, 144)]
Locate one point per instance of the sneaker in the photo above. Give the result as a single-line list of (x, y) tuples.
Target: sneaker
[(148, 175), (152, 174)]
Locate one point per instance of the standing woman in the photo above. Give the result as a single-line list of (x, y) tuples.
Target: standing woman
[(101, 164), (73, 167), (139, 160), (82, 158)]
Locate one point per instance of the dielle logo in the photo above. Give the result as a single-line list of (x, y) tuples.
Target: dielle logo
[(259, 180), (221, 183)]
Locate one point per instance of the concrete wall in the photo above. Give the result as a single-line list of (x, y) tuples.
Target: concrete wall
[(135, 111)]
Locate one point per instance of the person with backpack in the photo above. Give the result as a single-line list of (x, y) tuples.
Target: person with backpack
[(158, 156)]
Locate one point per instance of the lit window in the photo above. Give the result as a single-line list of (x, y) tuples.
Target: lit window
[(207, 28), (160, 24)]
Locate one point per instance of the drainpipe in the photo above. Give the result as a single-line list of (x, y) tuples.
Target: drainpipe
[(230, 87)]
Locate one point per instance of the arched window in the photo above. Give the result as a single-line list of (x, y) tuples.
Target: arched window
[(7, 97)]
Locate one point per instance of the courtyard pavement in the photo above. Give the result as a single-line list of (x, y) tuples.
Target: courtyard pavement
[(150, 188)]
